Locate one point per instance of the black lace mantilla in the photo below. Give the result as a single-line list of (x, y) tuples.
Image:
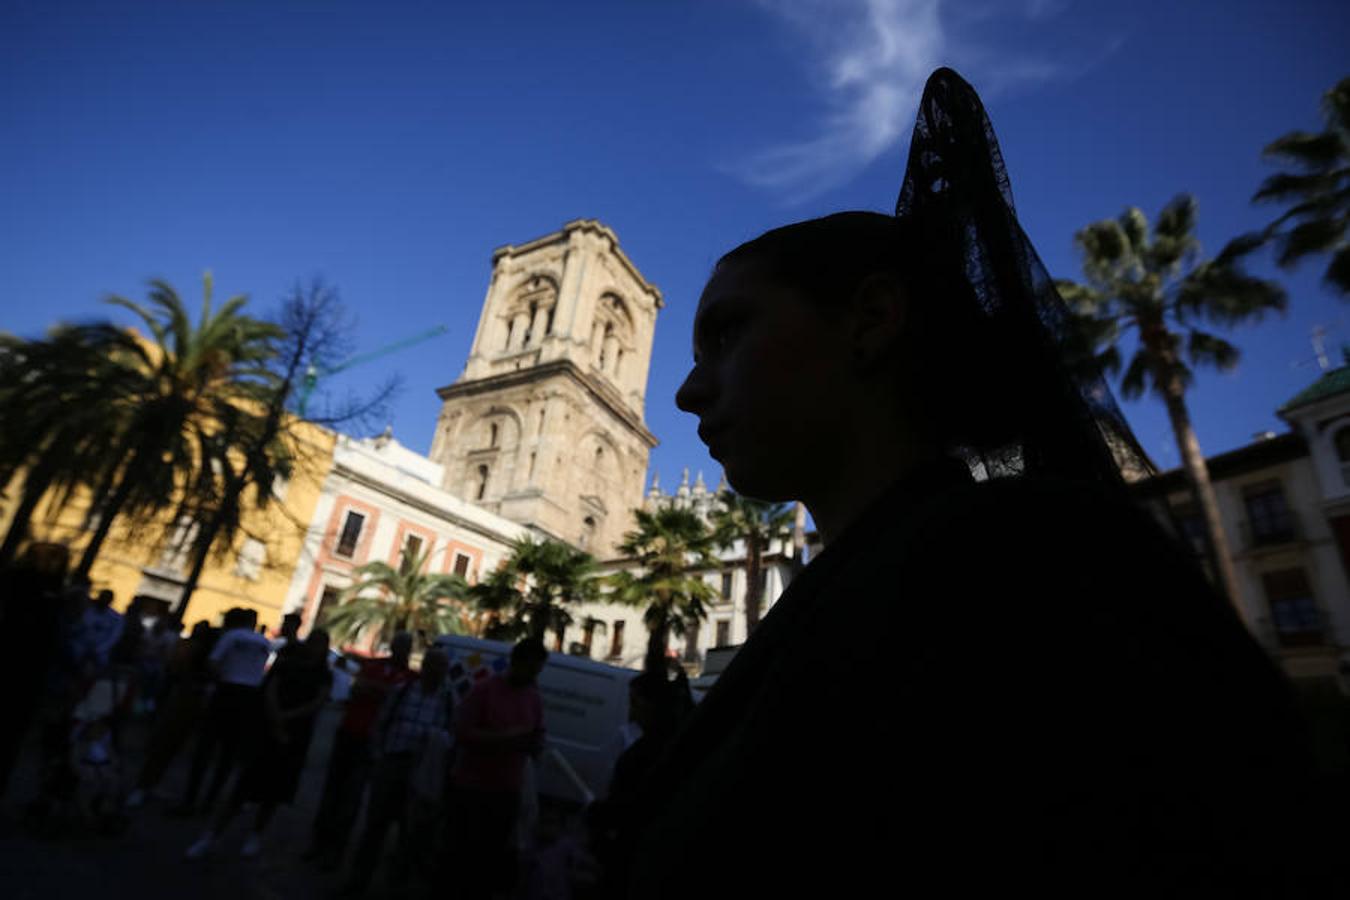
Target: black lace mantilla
[(956, 188)]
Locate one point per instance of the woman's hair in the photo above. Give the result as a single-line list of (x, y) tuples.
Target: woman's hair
[(318, 637), (529, 650), (667, 701), (951, 365), (991, 362)]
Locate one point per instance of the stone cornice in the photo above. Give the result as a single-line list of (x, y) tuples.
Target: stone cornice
[(607, 396), (421, 504), (596, 227)]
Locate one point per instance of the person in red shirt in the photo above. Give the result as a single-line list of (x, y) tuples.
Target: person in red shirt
[(499, 724), (350, 763)]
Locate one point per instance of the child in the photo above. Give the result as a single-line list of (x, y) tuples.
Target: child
[(98, 772), (557, 864)]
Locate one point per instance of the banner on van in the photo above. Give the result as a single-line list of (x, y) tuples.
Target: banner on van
[(467, 669)]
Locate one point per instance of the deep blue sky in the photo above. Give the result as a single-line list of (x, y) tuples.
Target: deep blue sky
[(389, 147)]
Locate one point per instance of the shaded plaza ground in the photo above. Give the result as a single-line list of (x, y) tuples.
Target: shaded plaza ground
[(146, 862)]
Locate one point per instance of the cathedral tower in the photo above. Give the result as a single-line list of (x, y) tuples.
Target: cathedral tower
[(545, 426)]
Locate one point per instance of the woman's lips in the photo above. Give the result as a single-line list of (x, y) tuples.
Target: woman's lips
[(711, 436)]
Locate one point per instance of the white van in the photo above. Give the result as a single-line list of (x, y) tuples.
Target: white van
[(585, 711)]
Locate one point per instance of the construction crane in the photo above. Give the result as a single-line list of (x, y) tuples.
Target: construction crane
[(314, 373)]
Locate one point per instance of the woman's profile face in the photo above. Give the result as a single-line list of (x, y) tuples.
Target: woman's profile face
[(770, 374)]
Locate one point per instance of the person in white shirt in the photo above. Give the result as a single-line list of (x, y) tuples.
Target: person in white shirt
[(240, 656), (230, 725)]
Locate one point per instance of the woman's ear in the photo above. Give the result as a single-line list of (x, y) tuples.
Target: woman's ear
[(878, 313)]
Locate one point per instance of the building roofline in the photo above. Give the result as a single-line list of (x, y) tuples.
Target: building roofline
[(606, 396), (1331, 384), (1249, 458)]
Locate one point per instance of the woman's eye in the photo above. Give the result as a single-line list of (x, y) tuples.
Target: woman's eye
[(724, 333)]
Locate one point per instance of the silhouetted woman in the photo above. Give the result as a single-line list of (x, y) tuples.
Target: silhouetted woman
[(999, 675), (33, 619), (294, 691), (179, 716), (656, 705)]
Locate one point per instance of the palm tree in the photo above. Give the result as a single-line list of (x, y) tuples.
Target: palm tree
[(194, 377), (64, 399), (255, 444), (1318, 191), (533, 589), (671, 548), (1156, 284), (494, 599), (385, 599), (245, 449), (757, 524)]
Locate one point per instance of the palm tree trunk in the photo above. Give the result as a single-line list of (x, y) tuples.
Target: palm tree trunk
[(107, 513), (691, 641), (1221, 557), (754, 594), (798, 537), (657, 641), (201, 548), (35, 486), (538, 624)]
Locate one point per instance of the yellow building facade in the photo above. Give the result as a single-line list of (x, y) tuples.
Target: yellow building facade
[(153, 560)]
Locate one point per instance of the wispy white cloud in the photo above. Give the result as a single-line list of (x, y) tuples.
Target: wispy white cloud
[(1041, 9), (870, 59)]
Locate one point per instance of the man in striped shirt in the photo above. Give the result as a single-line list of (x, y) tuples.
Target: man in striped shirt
[(412, 716), (350, 764)]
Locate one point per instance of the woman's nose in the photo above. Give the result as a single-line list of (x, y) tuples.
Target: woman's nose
[(693, 395)]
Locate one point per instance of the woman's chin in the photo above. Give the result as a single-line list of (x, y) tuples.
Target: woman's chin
[(755, 481)]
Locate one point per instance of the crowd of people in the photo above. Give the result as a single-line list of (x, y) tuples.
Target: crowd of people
[(446, 776)]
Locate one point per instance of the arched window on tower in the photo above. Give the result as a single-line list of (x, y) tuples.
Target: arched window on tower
[(492, 435), (482, 482), (587, 531), (548, 327), (529, 325), (604, 343), (1342, 442), (510, 329)]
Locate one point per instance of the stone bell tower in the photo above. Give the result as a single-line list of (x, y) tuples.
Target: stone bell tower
[(545, 426)]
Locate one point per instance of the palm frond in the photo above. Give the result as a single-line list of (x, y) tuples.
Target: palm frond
[(1209, 349), (1308, 150), (1135, 380), (1337, 275), (1285, 187), (1313, 235)]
